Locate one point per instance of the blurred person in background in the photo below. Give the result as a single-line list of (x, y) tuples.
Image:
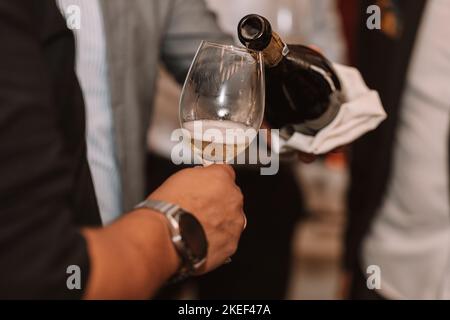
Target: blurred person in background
[(119, 46), (399, 212), (274, 204)]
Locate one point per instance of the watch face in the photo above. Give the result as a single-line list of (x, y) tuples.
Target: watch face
[(193, 236)]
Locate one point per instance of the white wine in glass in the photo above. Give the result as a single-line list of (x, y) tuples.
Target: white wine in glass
[(227, 140), (222, 102)]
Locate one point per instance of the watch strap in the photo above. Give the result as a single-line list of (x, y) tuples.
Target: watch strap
[(160, 206), (170, 211)]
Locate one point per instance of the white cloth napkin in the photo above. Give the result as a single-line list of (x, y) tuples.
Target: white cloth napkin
[(362, 112)]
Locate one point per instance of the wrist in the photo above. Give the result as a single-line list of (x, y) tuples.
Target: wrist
[(168, 262), (186, 234)]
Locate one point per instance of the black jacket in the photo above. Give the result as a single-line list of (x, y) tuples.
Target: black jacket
[(383, 61), (46, 192)]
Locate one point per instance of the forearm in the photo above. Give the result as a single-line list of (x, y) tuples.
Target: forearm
[(132, 258)]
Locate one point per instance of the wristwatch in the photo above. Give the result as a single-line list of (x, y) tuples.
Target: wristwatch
[(187, 235)]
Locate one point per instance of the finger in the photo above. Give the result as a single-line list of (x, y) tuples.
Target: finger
[(226, 168), (239, 190)]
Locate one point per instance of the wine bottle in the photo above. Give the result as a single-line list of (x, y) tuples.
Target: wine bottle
[(303, 91)]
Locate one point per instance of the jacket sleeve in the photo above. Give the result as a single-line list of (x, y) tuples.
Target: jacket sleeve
[(189, 22), (38, 238)]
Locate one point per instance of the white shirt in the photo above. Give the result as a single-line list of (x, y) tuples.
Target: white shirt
[(410, 239), (92, 71)]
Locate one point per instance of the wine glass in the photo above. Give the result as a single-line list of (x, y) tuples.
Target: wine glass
[(222, 102)]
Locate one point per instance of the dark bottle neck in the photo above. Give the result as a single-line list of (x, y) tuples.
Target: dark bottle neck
[(255, 32)]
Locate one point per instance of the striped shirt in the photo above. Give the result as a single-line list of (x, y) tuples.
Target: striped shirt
[(92, 71)]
